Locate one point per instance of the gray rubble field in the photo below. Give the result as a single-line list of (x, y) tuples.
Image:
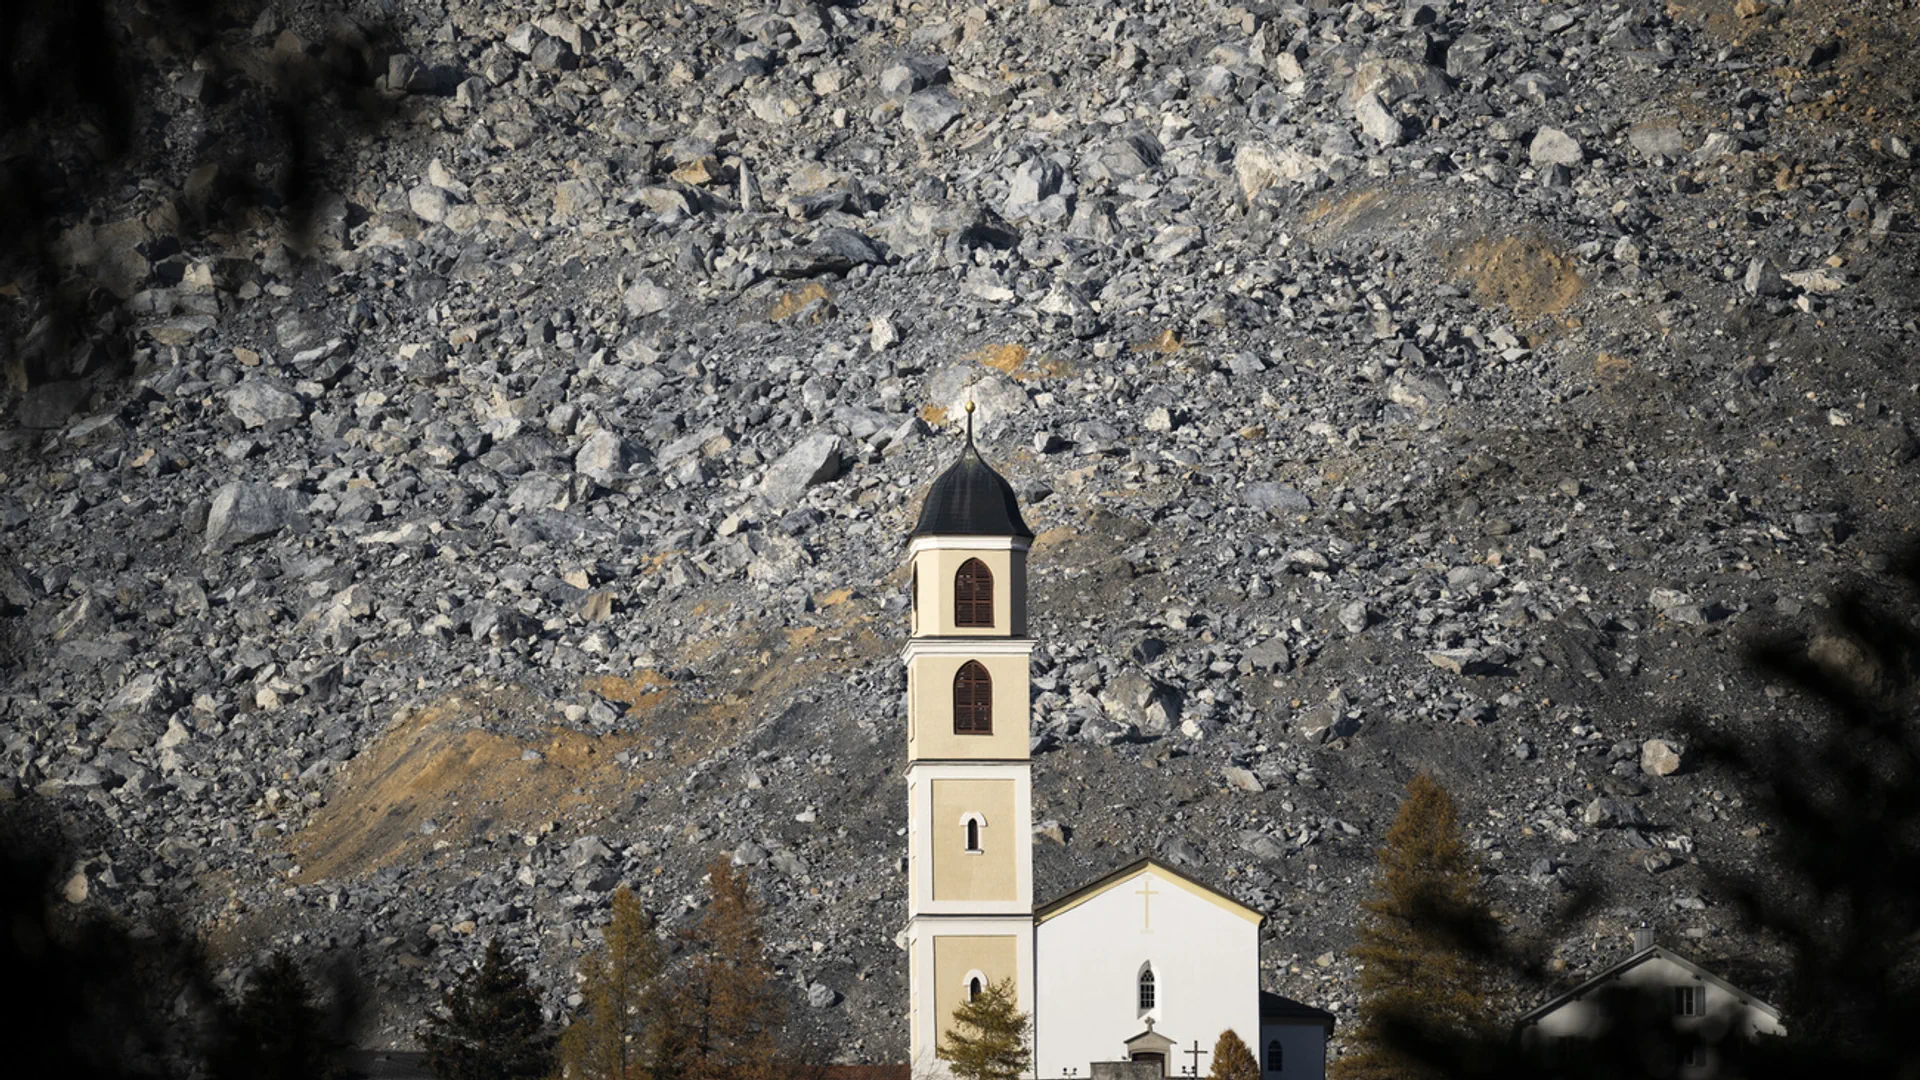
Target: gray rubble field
[(1447, 386)]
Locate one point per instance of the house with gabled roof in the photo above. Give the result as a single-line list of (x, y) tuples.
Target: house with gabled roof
[(1704, 1011)]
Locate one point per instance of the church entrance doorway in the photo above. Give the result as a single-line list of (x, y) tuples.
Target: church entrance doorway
[(1148, 1057)]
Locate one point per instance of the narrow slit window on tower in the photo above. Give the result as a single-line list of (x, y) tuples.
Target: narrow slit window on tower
[(973, 988), (973, 700), (973, 594), (973, 834), (1147, 990)]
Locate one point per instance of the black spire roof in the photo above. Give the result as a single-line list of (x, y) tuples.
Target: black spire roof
[(970, 499)]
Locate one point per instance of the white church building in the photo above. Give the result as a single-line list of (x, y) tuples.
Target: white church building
[(1145, 965)]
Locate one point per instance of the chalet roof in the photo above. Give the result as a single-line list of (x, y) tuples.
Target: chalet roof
[(970, 499), (1278, 1007), (386, 1065), (1133, 870), (1635, 960)]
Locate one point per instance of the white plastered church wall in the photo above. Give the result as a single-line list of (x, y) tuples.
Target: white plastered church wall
[(1206, 964)]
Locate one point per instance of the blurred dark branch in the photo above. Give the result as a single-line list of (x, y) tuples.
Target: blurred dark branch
[(90, 110), (1838, 783)]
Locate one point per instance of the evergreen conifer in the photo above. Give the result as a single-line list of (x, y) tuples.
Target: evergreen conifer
[(990, 1038), (491, 1028), (276, 1032), (1423, 984)]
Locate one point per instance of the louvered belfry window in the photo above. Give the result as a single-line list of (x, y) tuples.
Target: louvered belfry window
[(973, 594), (973, 700)]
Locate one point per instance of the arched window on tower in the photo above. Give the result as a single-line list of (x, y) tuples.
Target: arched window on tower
[(973, 700), (973, 834), (1274, 1058), (1149, 993), (973, 594), (973, 988)]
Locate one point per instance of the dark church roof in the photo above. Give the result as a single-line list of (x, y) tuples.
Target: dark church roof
[(1275, 1007), (970, 499)]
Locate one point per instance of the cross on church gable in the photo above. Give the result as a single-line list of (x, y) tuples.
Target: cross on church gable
[(1146, 894)]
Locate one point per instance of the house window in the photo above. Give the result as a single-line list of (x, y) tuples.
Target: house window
[(1275, 1060), (973, 834), (1690, 1001), (973, 594), (1147, 992), (973, 700)]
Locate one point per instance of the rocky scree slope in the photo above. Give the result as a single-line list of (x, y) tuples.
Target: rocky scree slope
[(1451, 386)]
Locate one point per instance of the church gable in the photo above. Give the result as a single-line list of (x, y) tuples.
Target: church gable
[(1140, 961), (1148, 874)]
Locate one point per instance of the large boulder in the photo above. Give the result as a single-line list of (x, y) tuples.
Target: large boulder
[(264, 403), (605, 457), (1260, 165), (813, 460), (242, 513), (995, 397)]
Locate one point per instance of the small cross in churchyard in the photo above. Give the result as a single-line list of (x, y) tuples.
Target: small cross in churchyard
[(1146, 895), (1194, 1069)]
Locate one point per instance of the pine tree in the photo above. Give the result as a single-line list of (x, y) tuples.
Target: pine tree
[(622, 1032), (990, 1037), (276, 1032), (492, 1029), (1423, 985), (728, 1010), (1232, 1060)]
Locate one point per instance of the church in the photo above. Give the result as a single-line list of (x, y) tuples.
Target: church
[(1144, 966)]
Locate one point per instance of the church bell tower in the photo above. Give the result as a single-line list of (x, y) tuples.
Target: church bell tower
[(969, 776)]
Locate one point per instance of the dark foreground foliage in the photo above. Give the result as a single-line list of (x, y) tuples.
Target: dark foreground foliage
[(102, 1000), (242, 104), (1841, 785)]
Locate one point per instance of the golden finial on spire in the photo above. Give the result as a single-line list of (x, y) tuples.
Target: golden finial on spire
[(969, 421)]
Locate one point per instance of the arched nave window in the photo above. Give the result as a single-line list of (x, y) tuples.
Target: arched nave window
[(973, 594), (973, 700), (1149, 993), (1274, 1059)]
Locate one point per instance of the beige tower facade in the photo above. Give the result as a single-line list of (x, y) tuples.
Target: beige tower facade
[(969, 777)]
